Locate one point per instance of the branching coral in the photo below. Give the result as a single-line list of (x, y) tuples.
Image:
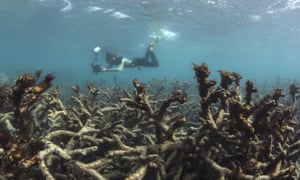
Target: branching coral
[(146, 134), (141, 101), (3, 94), (254, 139), (24, 94), (294, 92)]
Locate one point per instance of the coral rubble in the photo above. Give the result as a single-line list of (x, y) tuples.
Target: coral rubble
[(151, 133)]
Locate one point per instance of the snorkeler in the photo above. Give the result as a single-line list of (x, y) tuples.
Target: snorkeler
[(116, 63)]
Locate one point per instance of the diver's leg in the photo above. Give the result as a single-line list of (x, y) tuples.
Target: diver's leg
[(145, 60), (154, 61)]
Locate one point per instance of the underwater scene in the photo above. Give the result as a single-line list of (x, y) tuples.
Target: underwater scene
[(149, 89)]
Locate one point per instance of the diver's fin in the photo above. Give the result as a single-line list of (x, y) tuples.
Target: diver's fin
[(156, 40)]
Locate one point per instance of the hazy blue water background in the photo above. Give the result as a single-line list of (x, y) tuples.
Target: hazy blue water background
[(260, 39)]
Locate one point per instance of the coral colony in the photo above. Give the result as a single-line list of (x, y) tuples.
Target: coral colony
[(150, 133)]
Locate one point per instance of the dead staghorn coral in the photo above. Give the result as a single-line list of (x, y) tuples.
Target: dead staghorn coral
[(295, 92), (4, 92), (16, 128), (143, 136), (24, 94), (252, 141), (164, 127)]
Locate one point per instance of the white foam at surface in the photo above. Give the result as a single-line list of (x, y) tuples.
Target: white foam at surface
[(255, 17), (210, 2), (93, 8), (120, 15), (108, 11), (164, 34), (171, 9), (288, 5), (167, 34), (68, 7), (292, 4), (270, 12)]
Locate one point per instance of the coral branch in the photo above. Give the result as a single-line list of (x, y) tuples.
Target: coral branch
[(152, 133)]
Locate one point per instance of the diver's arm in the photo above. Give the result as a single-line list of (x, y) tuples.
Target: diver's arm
[(113, 69), (117, 68)]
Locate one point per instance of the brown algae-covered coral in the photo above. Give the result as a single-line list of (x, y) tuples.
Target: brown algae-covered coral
[(156, 132)]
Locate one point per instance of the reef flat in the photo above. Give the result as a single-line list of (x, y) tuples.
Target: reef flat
[(155, 130)]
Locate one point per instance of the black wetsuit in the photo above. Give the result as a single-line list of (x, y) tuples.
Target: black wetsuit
[(145, 60), (136, 62)]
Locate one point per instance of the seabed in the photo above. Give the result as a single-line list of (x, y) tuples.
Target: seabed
[(155, 130)]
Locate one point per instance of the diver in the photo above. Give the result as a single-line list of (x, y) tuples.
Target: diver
[(117, 63)]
